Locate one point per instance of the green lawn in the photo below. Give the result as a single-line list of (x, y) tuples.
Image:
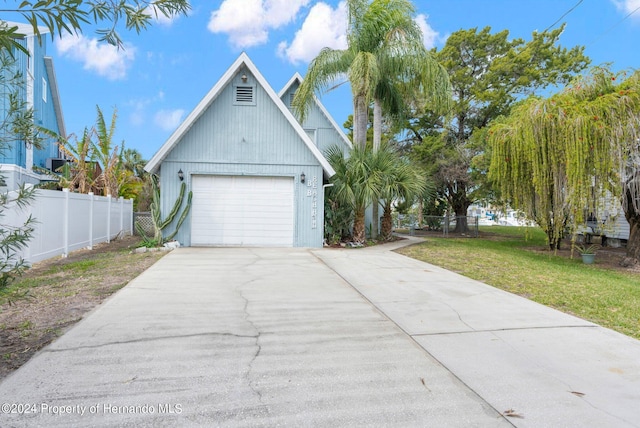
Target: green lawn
[(506, 260)]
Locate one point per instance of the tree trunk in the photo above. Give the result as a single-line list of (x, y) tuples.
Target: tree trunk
[(460, 209), (550, 229), (633, 244), (377, 138), (387, 224), (377, 124), (358, 226), (554, 243), (360, 120), (375, 219), (633, 217)]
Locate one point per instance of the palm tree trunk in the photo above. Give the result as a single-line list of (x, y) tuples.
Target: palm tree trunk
[(360, 111), (377, 124), (387, 223), (377, 139), (358, 226)]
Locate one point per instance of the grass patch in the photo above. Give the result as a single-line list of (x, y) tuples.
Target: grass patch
[(71, 274), (54, 294), (505, 260)]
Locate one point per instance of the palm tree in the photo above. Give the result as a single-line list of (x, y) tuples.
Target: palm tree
[(407, 71), (356, 183), (132, 161), (109, 158), (385, 61), (385, 56), (399, 180), (134, 181), (358, 62), (408, 75), (78, 173)]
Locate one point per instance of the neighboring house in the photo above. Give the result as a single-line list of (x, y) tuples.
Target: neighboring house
[(256, 173), (608, 220), (40, 92)]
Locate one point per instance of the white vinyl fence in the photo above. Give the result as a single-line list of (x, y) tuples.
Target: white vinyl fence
[(68, 221)]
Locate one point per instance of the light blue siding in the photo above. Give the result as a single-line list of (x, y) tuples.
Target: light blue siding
[(44, 113), (237, 133), (326, 134), (255, 140), (14, 152)]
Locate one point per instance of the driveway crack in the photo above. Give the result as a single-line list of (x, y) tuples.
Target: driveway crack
[(458, 314), (147, 339), (247, 316)]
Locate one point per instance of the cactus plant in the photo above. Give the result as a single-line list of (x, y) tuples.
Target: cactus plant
[(159, 224)]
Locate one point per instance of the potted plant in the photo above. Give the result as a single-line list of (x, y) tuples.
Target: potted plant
[(588, 252)]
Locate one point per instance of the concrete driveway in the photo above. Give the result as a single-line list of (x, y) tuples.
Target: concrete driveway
[(298, 337)]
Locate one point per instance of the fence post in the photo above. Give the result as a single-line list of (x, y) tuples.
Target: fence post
[(108, 218), (65, 223), (131, 220), (477, 225), (91, 220), (121, 216)]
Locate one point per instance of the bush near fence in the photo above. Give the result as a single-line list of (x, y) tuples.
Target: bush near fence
[(68, 221)]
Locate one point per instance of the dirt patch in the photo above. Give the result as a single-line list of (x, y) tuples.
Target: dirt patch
[(55, 294)]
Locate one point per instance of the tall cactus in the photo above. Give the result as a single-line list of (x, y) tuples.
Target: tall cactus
[(158, 224)]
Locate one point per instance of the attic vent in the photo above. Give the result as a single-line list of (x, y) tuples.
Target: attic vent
[(291, 97), (244, 94)]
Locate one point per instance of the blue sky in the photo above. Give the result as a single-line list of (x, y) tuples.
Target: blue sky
[(164, 72)]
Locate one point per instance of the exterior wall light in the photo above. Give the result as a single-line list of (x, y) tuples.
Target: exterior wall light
[(244, 78), (181, 174), (302, 178)]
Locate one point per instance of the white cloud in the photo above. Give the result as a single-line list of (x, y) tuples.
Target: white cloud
[(628, 6), (104, 59), (168, 120), (323, 27), (139, 107), (429, 35), (247, 22)]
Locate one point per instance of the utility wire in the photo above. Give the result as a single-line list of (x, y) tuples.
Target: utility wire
[(565, 14), (614, 26)]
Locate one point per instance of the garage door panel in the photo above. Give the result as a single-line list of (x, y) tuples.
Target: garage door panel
[(241, 210)]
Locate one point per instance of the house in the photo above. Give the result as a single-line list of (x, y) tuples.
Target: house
[(319, 125), (40, 92), (607, 220), (257, 174)]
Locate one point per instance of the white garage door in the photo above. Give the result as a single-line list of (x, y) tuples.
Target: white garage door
[(240, 210)]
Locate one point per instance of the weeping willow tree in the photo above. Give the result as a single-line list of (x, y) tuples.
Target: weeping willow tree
[(556, 157)]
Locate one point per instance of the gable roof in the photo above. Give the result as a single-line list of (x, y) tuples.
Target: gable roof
[(26, 29), (53, 87), (243, 60), (298, 78)]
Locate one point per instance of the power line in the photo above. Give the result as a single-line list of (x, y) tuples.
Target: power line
[(614, 26), (565, 14)]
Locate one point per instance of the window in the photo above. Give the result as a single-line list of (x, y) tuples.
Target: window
[(44, 90), (244, 95)]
